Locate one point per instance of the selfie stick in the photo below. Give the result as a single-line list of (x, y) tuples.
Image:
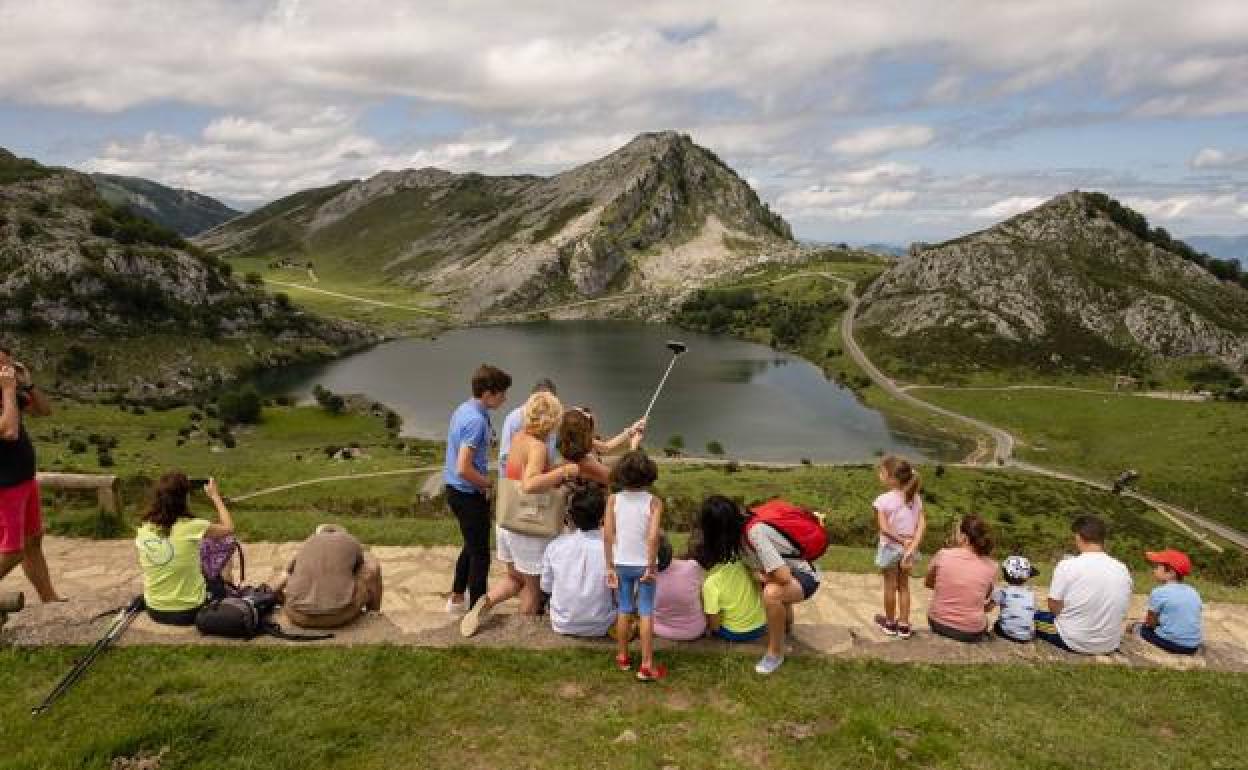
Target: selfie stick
[(677, 348)]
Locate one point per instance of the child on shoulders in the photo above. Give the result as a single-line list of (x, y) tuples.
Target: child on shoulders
[(1017, 621), (1173, 622), (574, 570), (631, 545)]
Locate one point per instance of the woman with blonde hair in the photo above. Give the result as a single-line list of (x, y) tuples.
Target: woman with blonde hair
[(528, 463)]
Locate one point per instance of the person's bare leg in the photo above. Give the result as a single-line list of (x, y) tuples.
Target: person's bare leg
[(530, 595), (36, 569), (903, 595), (370, 580), (647, 642), (8, 561), (890, 593), (622, 633), (505, 589), (776, 599)]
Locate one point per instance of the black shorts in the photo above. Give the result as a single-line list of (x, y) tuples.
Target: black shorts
[(809, 582)]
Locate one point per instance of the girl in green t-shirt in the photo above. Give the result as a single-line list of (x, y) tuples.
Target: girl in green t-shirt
[(168, 546)]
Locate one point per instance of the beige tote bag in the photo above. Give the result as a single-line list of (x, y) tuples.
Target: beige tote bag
[(539, 514)]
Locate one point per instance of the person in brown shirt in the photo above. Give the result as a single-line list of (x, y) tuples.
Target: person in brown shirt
[(330, 581)]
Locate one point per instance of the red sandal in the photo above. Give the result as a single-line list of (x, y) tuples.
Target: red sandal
[(623, 663), (652, 674)]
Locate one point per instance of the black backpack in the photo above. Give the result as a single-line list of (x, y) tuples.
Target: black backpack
[(246, 616)]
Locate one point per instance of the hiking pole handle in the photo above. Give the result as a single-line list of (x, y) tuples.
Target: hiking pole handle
[(659, 389)]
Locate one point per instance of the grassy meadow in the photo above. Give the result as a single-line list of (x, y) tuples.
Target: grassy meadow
[(387, 707), (1189, 453)]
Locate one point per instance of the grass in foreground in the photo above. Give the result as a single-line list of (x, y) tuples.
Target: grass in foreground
[(1188, 453), (386, 707)]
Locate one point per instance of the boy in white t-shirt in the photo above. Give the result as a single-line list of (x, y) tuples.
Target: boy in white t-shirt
[(1088, 596), (574, 570)]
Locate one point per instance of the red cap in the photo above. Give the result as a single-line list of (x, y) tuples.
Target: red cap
[(1175, 560)]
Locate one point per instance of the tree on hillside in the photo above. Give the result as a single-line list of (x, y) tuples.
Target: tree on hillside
[(676, 442), (715, 448), (241, 406)]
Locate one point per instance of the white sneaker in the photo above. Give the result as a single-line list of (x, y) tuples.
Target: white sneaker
[(769, 664), (456, 607), (474, 619)]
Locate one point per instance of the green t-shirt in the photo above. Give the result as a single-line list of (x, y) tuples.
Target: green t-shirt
[(172, 580), (731, 592)]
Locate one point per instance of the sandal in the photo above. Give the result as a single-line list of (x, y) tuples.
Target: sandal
[(652, 674), (623, 663)]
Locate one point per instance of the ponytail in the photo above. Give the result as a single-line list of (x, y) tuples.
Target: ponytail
[(904, 474), (977, 535)]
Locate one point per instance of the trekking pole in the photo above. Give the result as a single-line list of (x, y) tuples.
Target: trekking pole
[(118, 627)]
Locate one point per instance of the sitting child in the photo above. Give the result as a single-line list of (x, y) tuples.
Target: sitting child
[(574, 570), (1017, 621), (1173, 622), (677, 597), (731, 595)]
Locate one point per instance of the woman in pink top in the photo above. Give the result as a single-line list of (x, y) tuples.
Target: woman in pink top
[(961, 578), (678, 597)]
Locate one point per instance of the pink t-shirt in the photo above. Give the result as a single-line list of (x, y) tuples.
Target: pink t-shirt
[(678, 601), (902, 517), (963, 582)]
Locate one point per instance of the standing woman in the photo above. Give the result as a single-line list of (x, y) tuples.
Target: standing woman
[(579, 444), (962, 580), (529, 463), (21, 520), (168, 543)]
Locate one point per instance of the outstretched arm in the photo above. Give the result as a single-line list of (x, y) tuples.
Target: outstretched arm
[(224, 525)]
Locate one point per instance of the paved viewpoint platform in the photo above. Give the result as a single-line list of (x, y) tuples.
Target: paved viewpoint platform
[(100, 575)]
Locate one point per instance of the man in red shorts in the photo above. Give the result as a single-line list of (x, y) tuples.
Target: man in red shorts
[(21, 522)]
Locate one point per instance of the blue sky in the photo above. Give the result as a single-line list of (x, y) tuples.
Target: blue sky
[(890, 120)]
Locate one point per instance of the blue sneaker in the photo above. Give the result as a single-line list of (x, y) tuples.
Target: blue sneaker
[(769, 664)]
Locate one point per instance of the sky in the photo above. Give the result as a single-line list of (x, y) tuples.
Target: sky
[(880, 120)]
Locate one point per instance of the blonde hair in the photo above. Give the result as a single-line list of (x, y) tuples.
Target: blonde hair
[(901, 471), (542, 413)]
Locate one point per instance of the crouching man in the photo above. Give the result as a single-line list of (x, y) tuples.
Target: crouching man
[(330, 581)]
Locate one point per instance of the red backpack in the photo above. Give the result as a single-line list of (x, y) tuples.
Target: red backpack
[(802, 528)]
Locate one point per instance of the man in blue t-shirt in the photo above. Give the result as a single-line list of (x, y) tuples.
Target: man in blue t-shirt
[(468, 484), (515, 421)]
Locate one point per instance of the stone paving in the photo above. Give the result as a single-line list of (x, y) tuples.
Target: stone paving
[(101, 575)]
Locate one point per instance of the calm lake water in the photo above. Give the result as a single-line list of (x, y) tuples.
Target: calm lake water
[(759, 403)]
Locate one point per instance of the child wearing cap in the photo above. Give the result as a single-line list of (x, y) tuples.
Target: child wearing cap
[(1173, 620), (1017, 621)]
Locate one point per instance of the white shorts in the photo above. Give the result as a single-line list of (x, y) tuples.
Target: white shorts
[(524, 552)]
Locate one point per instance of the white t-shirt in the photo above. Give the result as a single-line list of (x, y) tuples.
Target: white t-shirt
[(574, 573), (632, 524), (1095, 591)]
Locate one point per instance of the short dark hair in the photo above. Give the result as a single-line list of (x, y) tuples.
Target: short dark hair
[(545, 385), (635, 470), (721, 524), (576, 435), (586, 506), (489, 379), (977, 535), (1090, 528)]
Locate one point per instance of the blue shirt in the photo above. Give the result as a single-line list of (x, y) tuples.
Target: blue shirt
[(1018, 612), (1178, 609), (512, 426), (470, 427)]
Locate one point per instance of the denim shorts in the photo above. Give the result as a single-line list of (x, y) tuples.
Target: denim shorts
[(809, 583), (740, 636), (888, 555), (630, 584)]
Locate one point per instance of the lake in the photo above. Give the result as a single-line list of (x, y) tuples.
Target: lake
[(760, 404)]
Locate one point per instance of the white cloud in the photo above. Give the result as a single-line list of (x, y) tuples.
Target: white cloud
[(1008, 207), (1184, 207), (1213, 158), (881, 139), (881, 172)]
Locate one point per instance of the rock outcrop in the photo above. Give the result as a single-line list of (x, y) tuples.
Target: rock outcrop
[(659, 215), (1060, 286)]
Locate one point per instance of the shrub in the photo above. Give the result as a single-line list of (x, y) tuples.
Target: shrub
[(27, 229), (228, 441), (77, 446), (241, 406), (254, 279), (715, 448), (676, 442), (105, 460)]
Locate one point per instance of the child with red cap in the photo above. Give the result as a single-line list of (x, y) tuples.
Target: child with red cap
[(1173, 620)]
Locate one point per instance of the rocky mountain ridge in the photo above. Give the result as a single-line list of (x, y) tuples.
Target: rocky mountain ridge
[(657, 217), (185, 212), (74, 267), (1059, 287)]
